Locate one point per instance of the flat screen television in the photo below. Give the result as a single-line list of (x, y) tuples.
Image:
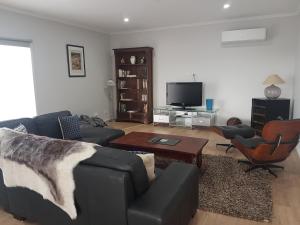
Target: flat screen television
[(184, 94)]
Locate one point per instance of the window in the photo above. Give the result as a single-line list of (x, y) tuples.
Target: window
[(17, 97)]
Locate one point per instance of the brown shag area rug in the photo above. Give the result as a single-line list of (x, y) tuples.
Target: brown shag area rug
[(225, 188)]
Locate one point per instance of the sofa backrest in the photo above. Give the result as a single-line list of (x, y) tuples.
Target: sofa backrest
[(123, 161), (27, 122), (48, 125)]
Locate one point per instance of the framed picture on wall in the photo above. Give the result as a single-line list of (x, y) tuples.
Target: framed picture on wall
[(76, 61)]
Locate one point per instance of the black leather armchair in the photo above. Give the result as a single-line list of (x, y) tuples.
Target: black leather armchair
[(112, 188)]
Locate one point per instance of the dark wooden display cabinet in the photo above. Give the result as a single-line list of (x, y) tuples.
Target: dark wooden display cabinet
[(265, 110), (134, 80)]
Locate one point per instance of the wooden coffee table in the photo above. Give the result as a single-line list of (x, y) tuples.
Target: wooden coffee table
[(188, 149)]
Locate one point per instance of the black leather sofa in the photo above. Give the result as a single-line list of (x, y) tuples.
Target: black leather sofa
[(112, 188), (47, 125)]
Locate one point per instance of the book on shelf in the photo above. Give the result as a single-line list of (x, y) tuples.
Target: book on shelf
[(145, 108), (144, 98), (145, 84), (122, 84), (125, 73), (122, 107)]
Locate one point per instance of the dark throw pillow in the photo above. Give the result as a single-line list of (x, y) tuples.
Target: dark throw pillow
[(70, 127)]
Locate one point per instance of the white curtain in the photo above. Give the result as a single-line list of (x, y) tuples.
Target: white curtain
[(17, 98)]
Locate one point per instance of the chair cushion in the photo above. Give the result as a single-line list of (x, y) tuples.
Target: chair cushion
[(27, 122), (229, 132), (249, 142), (70, 127), (48, 124)]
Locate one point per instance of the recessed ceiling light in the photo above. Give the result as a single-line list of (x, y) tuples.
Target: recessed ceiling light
[(226, 6), (126, 19)]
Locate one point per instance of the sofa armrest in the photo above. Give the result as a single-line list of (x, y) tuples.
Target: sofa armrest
[(172, 199), (96, 131), (3, 194), (100, 135)]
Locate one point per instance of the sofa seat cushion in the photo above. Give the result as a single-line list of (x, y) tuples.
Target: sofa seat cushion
[(27, 122), (48, 124), (99, 135)]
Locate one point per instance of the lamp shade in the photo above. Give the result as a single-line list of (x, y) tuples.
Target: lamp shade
[(273, 79), (111, 83)]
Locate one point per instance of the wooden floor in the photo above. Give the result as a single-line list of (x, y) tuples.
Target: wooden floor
[(286, 188)]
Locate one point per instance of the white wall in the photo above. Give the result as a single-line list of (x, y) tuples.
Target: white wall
[(53, 88), (297, 78), (232, 75)]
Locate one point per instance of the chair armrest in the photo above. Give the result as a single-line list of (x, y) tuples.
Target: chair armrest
[(171, 199)]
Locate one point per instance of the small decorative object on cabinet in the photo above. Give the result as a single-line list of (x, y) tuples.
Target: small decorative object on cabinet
[(142, 61), (122, 60), (209, 104), (272, 91), (265, 110), (134, 84), (132, 59)]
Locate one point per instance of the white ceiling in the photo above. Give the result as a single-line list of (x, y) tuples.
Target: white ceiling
[(107, 15)]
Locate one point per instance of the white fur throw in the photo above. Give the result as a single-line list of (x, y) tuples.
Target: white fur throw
[(43, 165)]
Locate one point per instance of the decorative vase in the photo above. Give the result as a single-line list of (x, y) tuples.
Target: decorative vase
[(122, 60), (272, 92), (132, 59), (209, 104)]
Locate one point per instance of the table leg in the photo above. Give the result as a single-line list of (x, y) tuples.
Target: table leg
[(196, 160), (199, 160)]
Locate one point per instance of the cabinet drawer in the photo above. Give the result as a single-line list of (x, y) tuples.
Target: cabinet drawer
[(259, 103), (161, 119), (201, 121)]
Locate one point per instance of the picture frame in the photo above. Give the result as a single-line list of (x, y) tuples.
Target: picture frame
[(76, 60)]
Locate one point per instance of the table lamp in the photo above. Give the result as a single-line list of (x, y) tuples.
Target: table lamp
[(272, 91)]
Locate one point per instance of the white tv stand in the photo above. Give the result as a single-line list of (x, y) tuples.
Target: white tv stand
[(189, 117)]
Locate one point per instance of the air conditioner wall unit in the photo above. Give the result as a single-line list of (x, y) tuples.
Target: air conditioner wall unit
[(259, 34)]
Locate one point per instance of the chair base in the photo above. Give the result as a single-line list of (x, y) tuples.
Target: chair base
[(268, 167), (229, 146)]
